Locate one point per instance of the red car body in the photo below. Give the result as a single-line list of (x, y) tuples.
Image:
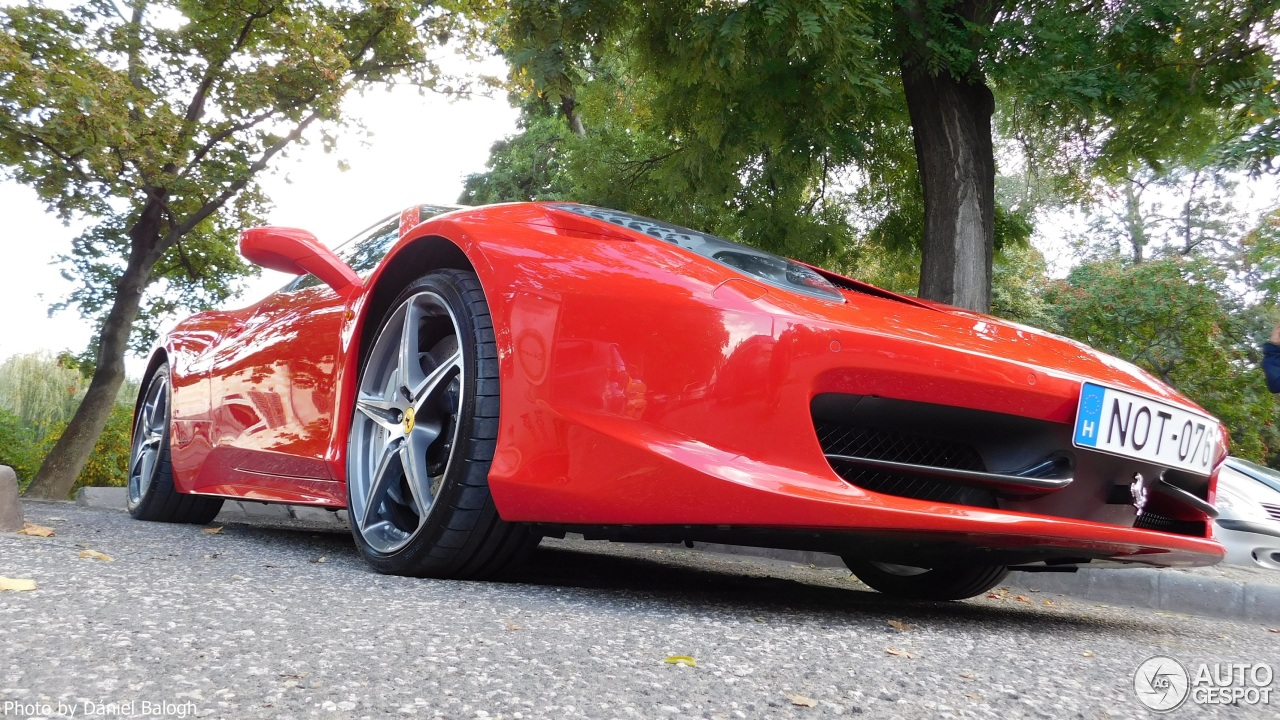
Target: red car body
[(648, 393)]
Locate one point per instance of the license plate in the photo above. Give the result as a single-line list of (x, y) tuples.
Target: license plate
[(1122, 423)]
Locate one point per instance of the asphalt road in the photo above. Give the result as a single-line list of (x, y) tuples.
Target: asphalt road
[(270, 622)]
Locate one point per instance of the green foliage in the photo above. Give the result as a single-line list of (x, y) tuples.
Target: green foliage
[(1175, 318), (154, 119), (39, 390), (527, 166), (783, 123), (21, 446), (1261, 258), (1018, 286), (38, 396), (109, 463), (1120, 85)]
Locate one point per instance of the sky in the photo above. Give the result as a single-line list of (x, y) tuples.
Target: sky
[(421, 149)]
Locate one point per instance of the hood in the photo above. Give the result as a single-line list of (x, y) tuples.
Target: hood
[(880, 311)]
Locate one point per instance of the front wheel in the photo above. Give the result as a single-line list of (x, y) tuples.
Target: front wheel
[(423, 435), (152, 495), (948, 583)]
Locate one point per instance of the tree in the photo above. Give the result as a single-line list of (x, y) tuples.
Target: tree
[(155, 118), (770, 104)]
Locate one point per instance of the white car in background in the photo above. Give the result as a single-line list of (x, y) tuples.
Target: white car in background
[(1248, 523)]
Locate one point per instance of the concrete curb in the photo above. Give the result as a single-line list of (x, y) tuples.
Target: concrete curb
[(1189, 591), (1196, 591), (10, 507)]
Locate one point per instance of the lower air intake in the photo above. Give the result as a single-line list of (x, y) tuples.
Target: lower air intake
[(840, 439)]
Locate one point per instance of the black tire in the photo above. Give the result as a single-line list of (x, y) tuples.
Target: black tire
[(413, 521), (151, 494), (950, 583)]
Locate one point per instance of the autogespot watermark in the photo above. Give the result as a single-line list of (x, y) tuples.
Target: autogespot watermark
[(88, 708), (1164, 684)]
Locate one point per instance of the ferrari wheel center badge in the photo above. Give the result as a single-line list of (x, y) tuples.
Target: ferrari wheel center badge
[(408, 420)]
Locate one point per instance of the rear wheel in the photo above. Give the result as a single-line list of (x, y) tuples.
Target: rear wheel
[(152, 495), (949, 583), (423, 435)]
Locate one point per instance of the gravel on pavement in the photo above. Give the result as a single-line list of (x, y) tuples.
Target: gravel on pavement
[(278, 620)]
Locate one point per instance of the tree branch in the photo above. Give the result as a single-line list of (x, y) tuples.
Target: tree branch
[(236, 186)]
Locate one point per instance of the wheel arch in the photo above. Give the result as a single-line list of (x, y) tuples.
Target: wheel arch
[(414, 257), (408, 263), (159, 356)]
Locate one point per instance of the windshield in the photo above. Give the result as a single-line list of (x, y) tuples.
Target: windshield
[(772, 269), (1264, 475)]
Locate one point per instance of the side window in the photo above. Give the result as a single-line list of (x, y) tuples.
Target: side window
[(364, 256), (362, 253)]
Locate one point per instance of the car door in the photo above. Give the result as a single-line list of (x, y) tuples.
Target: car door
[(272, 385)]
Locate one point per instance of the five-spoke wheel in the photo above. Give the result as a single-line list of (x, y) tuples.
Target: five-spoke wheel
[(406, 422), (422, 437)]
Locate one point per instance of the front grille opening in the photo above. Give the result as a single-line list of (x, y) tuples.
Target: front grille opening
[(1152, 521), (841, 439)]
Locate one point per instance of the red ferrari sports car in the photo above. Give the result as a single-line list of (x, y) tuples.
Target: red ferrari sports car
[(467, 381)]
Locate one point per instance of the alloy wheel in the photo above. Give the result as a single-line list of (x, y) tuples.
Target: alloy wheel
[(405, 424)]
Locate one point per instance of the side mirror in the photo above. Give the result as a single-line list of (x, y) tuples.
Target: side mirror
[(297, 252)]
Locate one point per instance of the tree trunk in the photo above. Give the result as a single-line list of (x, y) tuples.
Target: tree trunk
[(1134, 224), (569, 106), (61, 467), (951, 124)]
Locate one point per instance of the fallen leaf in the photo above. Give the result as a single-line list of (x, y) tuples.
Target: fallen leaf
[(1086, 653), (1274, 630), (971, 696), (801, 700), (511, 625), (212, 530), (321, 559), (95, 555), (36, 530), (900, 653), (1022, 598), (1048, 602), (16, 584), (681, 660), (968, 676), (899, 625), (993, 596)]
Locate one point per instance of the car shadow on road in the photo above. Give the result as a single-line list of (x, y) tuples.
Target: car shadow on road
[(751, 590), (671, 578)]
